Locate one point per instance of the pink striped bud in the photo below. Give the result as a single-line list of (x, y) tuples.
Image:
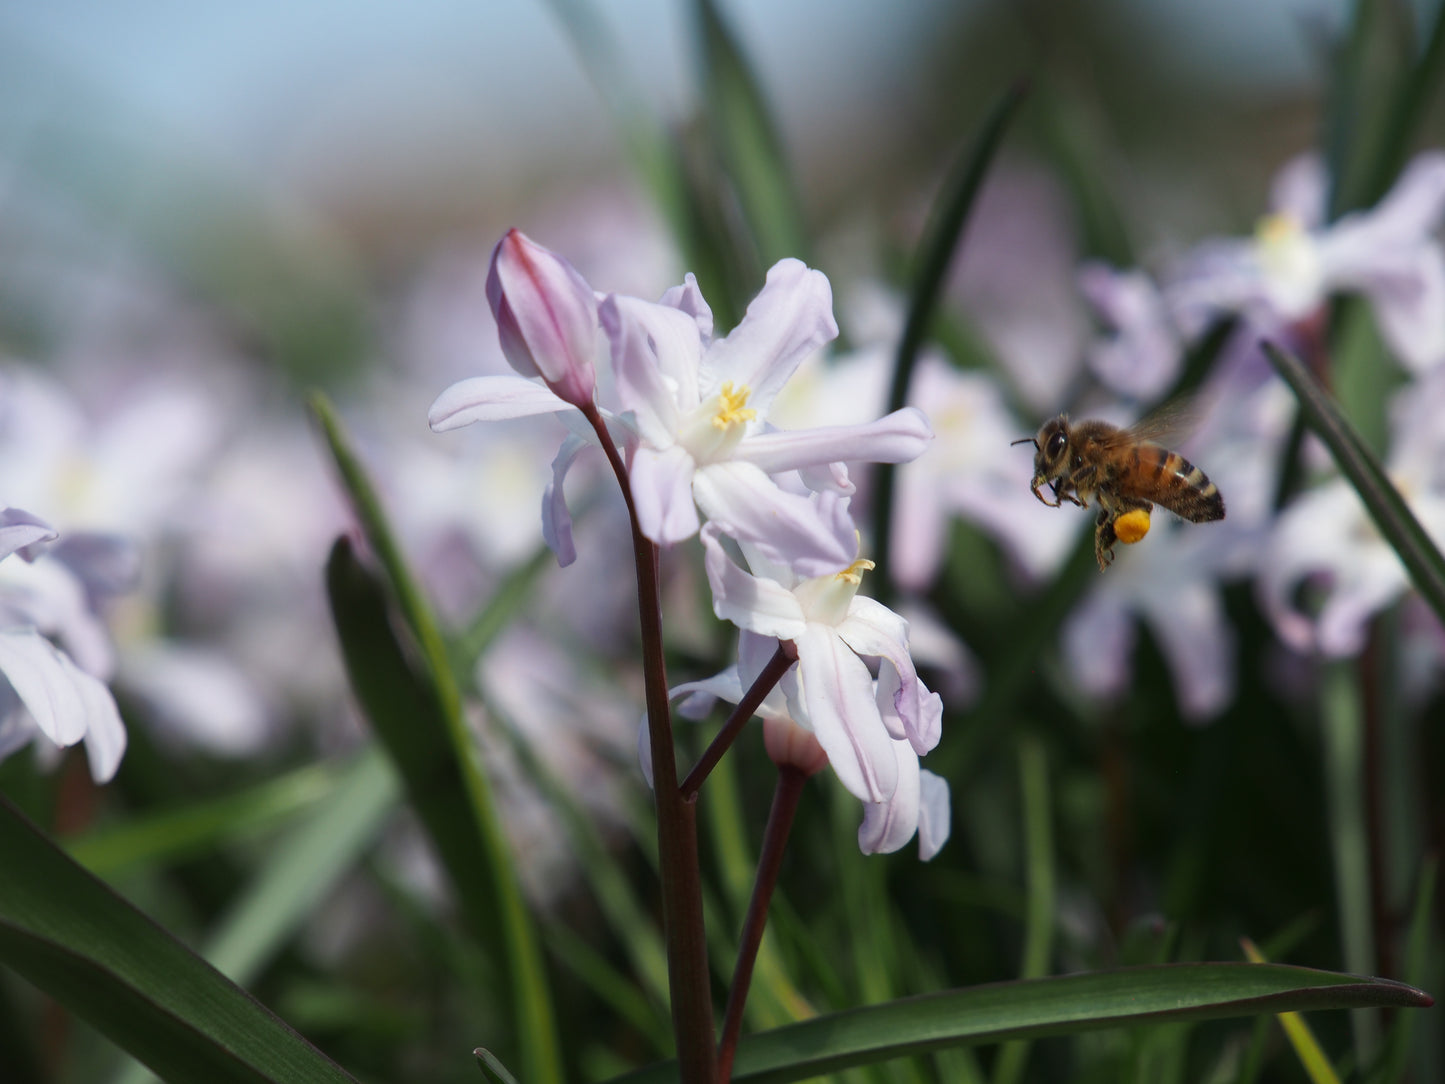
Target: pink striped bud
[(546, 316)]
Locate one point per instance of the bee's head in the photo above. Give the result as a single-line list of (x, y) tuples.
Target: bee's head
[(1050, 449)]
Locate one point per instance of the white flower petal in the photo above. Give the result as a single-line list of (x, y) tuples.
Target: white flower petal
[(839, 693), (758, 605), (899, 437), (45, 684), (814, 535), (489, 399), (655, 354), (556, 519), (888, 825), (662, 492), (791, 317), (935, 814), (19, 529)]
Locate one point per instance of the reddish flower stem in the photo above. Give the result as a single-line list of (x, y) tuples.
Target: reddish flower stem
[(778, 665), (775, 840), (688, 977)]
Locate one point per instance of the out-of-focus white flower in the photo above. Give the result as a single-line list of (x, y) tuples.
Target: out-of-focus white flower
[(45, 695), (1015, 280), (1327, 536), (1389, 254), (1141, 354), (966, 470)]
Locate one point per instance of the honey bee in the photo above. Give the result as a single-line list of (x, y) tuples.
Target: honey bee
[(1127, 471)]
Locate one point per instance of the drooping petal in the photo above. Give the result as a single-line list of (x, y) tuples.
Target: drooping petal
[(790, 318), (45, 684), (1409, 303), (546, 316), (839, 693), (105, 737), (490, 399), (19, 529), (899, 437), (661, 485), (814, 535), (556, 519), (935, 814), (655, 353), (890, 824), (761, 606), (873, 630)]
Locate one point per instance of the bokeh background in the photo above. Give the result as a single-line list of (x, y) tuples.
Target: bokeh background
[(207, 212)]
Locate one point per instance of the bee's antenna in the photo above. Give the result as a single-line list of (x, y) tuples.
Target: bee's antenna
[(1024, 440)]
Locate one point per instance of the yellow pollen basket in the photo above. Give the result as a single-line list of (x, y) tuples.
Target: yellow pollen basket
[(1132, 526), (733, 406), (854, 573)]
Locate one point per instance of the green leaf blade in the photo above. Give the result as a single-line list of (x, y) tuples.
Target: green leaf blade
[(71, 936), (1422, 560), (1040, 1008)]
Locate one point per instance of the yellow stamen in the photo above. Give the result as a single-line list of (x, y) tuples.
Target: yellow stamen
[(854, 573), (733, 408)]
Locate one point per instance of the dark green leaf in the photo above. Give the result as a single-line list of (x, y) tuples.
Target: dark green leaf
[(936, 250), (492, 1068), (71, 936), (747, 138), (1392, 516), (1063, 1005)]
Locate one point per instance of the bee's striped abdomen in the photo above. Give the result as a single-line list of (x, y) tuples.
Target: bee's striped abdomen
[(1169, 479)]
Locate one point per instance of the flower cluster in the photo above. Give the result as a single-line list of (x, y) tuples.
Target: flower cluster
[(690, 410)]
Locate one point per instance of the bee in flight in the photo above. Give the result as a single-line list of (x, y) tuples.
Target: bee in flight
[(1127, 471)]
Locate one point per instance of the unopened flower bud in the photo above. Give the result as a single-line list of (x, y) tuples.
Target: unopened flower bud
[(789, 745), (546, 316)]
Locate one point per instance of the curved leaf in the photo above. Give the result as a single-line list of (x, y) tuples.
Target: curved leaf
[(1037, 1008), (71, 936)]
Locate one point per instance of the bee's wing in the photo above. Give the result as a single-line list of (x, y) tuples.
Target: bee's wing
[(1166, 424)]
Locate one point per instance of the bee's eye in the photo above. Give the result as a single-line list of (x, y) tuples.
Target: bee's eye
[(1055, 446)]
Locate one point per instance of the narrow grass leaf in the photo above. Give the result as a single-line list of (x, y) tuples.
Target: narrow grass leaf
[(752, 152), (422, 730), (1039, 863), (492, 1068), (303, 866), (1387, 508), (1060, 1005), (67, 933), (203, 826), (935, 255)]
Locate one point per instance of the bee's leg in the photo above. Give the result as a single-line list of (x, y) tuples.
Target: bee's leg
[(1104, 538)]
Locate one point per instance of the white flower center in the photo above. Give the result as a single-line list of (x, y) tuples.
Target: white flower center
[(825, 599), (717, 425), (1290, 260)]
